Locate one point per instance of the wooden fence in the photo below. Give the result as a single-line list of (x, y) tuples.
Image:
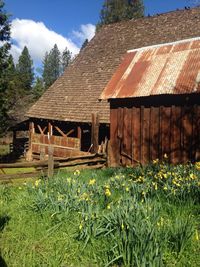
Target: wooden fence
[(47, 167)]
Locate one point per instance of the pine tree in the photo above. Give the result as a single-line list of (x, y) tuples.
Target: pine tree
[(13, 88), (54, 58), (24, 69), (38, 88), (4, 50), (119, 10), (51, 66), (66, 58)]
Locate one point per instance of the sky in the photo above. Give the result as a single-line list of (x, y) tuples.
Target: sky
[(39, 24)]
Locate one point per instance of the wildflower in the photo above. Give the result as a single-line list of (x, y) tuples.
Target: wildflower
[(37, 182), (108, 206), (107, 192), (60, 197), (165, 156), (92, 181), (165, 187), (77, 173), (155, 186), (197, 165), (155, 161), (127, 189), (192, 176), (165, 175), (19, 188)]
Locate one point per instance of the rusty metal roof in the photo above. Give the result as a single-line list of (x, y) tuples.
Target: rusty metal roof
[(172, 68)]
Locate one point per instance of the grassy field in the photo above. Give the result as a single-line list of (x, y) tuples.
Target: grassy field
[(114, 217)]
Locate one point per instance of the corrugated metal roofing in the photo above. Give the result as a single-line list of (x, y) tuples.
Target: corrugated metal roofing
[(172, 68)]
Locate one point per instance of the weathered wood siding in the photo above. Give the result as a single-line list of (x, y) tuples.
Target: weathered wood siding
[(63, 146), (142, 133)]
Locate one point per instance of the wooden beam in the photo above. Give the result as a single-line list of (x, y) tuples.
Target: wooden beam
[(95, 132), (40, 129), (79, 134), (50, 161), (31, 132), (60, 131), (71, 131), (50, 132)]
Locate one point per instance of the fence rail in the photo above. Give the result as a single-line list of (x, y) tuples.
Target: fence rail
[(46, 167)]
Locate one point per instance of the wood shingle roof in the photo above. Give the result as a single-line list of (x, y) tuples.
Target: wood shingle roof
[(74, 96)]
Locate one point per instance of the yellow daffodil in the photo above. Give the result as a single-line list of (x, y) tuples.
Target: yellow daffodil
[(165, 156), (92, 181), (193, 176), (77, 173), (197, 165), (37, 182), (107, 192), (155, 161)]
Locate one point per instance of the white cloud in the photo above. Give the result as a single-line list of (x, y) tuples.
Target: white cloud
[(87, 31), (39, 39)]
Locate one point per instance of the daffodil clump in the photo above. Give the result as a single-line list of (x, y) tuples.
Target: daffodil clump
[(142, 216)]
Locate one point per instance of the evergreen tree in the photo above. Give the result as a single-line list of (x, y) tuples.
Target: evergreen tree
[(38, 88), (84, 44), (13, 87), (119, 10), (51, 66), (66, 58), (24, 69), (54, 58), (4, 50)]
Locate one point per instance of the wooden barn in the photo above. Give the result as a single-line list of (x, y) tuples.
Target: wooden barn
[(155, 104), (69, 115)]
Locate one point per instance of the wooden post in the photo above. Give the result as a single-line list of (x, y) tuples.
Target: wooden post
[(29, 156), (95, 132), (79, 134), (42, 153), (50, 131), (50, 161)]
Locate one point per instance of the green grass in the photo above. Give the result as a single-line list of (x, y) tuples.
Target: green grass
[(114, 217)]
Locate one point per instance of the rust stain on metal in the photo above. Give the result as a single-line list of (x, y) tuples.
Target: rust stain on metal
[(165, 69), (133, 80), (164, 50), (119, 73), (189, 76)]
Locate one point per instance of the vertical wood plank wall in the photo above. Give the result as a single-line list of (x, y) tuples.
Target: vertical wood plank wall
[(141, 134)]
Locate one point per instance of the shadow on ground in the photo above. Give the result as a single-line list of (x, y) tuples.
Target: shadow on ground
[(3, 221)]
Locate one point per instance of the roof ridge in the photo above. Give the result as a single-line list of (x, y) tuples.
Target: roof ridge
[(164, 44), (151, 16)]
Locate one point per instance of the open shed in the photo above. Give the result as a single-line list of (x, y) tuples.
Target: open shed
[(155, 104)]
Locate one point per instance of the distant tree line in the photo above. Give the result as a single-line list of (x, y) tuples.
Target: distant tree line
[(19, 80)]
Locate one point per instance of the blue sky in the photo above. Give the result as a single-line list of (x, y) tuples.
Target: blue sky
[(40, 23)]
